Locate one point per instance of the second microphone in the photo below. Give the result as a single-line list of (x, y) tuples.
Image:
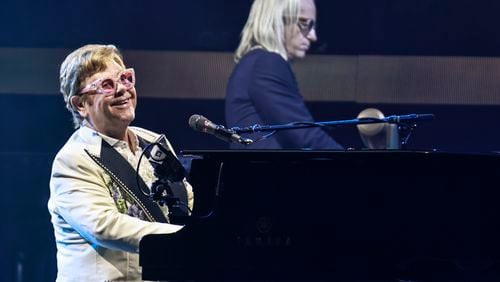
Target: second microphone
[(202, 124)]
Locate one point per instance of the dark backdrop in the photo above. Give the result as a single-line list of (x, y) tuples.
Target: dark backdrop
[(34, 126), (425, 27)]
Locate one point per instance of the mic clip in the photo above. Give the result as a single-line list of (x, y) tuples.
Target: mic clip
[(168, 171), (161, 192), (238, 138), (245, 141)]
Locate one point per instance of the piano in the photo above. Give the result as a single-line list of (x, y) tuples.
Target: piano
[(335, 215)]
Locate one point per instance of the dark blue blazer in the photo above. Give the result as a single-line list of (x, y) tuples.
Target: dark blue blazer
[(263, 90)]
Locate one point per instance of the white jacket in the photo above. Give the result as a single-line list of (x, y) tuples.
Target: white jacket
[(95, 242)]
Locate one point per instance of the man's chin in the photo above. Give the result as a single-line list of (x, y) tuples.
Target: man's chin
[(297, 56), (125, 119), (128, 113)]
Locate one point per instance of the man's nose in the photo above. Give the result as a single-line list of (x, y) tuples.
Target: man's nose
[(120, 89), (312, 35)]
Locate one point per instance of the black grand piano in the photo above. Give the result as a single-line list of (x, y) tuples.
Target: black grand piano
[(335, 216)]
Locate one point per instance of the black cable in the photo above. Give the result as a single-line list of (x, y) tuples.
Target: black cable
[(265, 136), (177, 204), (371, 119), (292, 123), (306, 123), (138, 166)]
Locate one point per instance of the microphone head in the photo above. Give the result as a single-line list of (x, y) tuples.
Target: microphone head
[(165, 163), (202, 124), (197, 122)]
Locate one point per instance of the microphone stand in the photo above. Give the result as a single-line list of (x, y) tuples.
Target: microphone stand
[(404, 122)]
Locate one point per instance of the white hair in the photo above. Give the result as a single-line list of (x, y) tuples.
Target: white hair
[(81, 64), (265, 27)]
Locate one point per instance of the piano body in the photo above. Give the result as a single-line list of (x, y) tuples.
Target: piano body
[(326, 215)]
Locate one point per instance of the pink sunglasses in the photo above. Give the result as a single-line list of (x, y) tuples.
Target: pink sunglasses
[(108, 85)]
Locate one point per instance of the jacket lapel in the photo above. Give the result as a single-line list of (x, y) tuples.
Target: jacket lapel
[(123, 173)]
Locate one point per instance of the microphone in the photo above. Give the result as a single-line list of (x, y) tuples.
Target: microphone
[(202, 124), (410, 118), (165, 163), (168, 170)]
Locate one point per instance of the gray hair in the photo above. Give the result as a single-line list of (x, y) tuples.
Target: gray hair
[(80, 65), (265, 27)]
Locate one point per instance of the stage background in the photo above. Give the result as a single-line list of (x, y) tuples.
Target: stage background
[(425, 56)]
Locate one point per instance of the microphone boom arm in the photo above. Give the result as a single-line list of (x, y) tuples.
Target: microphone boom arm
[(395, 119)]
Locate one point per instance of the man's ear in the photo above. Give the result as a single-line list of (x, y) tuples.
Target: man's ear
[(78, 104)]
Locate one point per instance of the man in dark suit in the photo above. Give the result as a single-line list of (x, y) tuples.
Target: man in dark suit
[(262, 88)]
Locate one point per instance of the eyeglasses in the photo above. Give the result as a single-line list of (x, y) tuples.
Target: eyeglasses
[(306, 25), (107, 85)]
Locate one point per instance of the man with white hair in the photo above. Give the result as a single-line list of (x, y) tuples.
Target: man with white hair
[(262, 88), (98, 212)]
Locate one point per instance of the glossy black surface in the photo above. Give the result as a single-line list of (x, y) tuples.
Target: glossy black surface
[(355, 215)]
